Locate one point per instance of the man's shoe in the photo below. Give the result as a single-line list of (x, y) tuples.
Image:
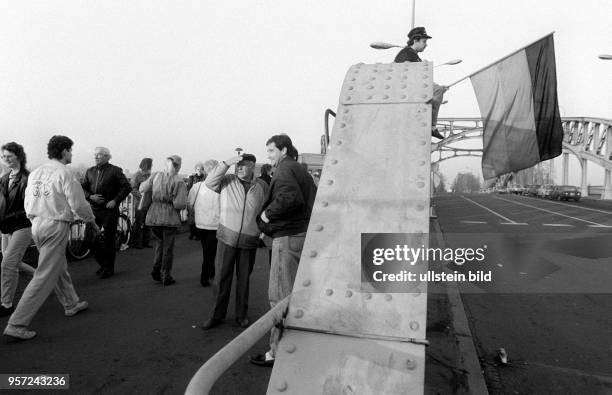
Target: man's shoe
[(19, 332), (156, 276), (205, 283), (436, 133), (80, 306), (211, 323), (100, 271), (4, 311), (169, 281), (262, 360), (243, 323), (107, 274)]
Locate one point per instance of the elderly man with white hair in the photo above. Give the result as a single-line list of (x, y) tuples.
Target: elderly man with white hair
[(105, 187)]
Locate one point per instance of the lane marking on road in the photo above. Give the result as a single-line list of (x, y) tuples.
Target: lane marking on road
[(556, 213), (508, 220), (473, 222), (513, 223), (568, 205), (558, 225)]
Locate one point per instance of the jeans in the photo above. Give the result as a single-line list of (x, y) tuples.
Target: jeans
[(286, 252), (14, 246), (163, 253), (228, 258), (208, 240)]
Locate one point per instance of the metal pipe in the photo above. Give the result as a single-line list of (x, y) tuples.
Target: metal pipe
[(209, 373)]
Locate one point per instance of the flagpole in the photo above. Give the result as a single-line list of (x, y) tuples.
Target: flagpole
[(499, 60)]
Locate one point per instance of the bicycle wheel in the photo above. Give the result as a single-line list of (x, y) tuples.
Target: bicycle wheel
[(124, 231), (76, 248)]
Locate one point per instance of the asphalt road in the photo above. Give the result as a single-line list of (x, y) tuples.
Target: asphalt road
[(549, 302), (138, 337)]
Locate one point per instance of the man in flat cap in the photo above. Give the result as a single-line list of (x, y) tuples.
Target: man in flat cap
[(417, 42), (242, 198)]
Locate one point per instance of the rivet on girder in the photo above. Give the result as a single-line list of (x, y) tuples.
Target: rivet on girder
[(422, 163), (387, 87), (324, 204), (312, 254), (388, 77), (369, 97), (368, 296), (385, 97), (282, 386), (420, 207), (425, 86), (424, 96), (299, 313), (423, 124), (346, 111), (343, 125), (356, 71), (423, 143), (405, 77), (353, 79), (388, 297), (425, 77), (330, 182), (290, 348), (414, 325), (348, 98), (370, 86), (375, 70), (306, 282), (403, 96), (329, 292), (319, 228), (350, 88), (334, 161), (404, 86), (372, 78), (420, 184), (410, 364), (349, 293)]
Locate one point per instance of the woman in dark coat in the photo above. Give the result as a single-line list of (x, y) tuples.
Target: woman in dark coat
[(15, 227)]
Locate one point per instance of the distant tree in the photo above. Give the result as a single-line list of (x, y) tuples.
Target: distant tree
[(466, 183)]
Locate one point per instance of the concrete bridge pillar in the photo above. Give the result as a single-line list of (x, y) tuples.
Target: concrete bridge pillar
[(607, 188), (584, 188), (551, 172), (565, 168)]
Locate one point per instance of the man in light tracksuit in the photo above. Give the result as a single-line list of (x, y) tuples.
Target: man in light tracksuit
[(52, 196), (241, 200)]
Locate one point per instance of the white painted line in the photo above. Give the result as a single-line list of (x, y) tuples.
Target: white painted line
[(568, 205), (513, 223), (554, 212), (491, 211), (557, 225), (473, 222), (599, 226)]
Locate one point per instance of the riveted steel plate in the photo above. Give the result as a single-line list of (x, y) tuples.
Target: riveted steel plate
[(315, 363), (376, 179), (388, 83)]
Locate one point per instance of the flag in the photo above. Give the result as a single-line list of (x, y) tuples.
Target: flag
[(517, 97)]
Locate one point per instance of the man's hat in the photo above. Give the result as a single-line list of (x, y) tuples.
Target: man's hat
[(418, 32), (176, 159), (248, 158)]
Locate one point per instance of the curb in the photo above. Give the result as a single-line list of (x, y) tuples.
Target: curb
[(464, 338)]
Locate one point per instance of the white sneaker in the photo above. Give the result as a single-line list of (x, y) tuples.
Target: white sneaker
[(80, 306), (19, 332)]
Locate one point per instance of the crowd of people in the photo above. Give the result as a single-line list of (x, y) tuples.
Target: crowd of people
[(231, 213)]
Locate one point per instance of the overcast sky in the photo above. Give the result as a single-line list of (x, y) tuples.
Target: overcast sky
[(200, 78)]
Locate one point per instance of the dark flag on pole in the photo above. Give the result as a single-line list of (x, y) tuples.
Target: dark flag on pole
[(517, 97)]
